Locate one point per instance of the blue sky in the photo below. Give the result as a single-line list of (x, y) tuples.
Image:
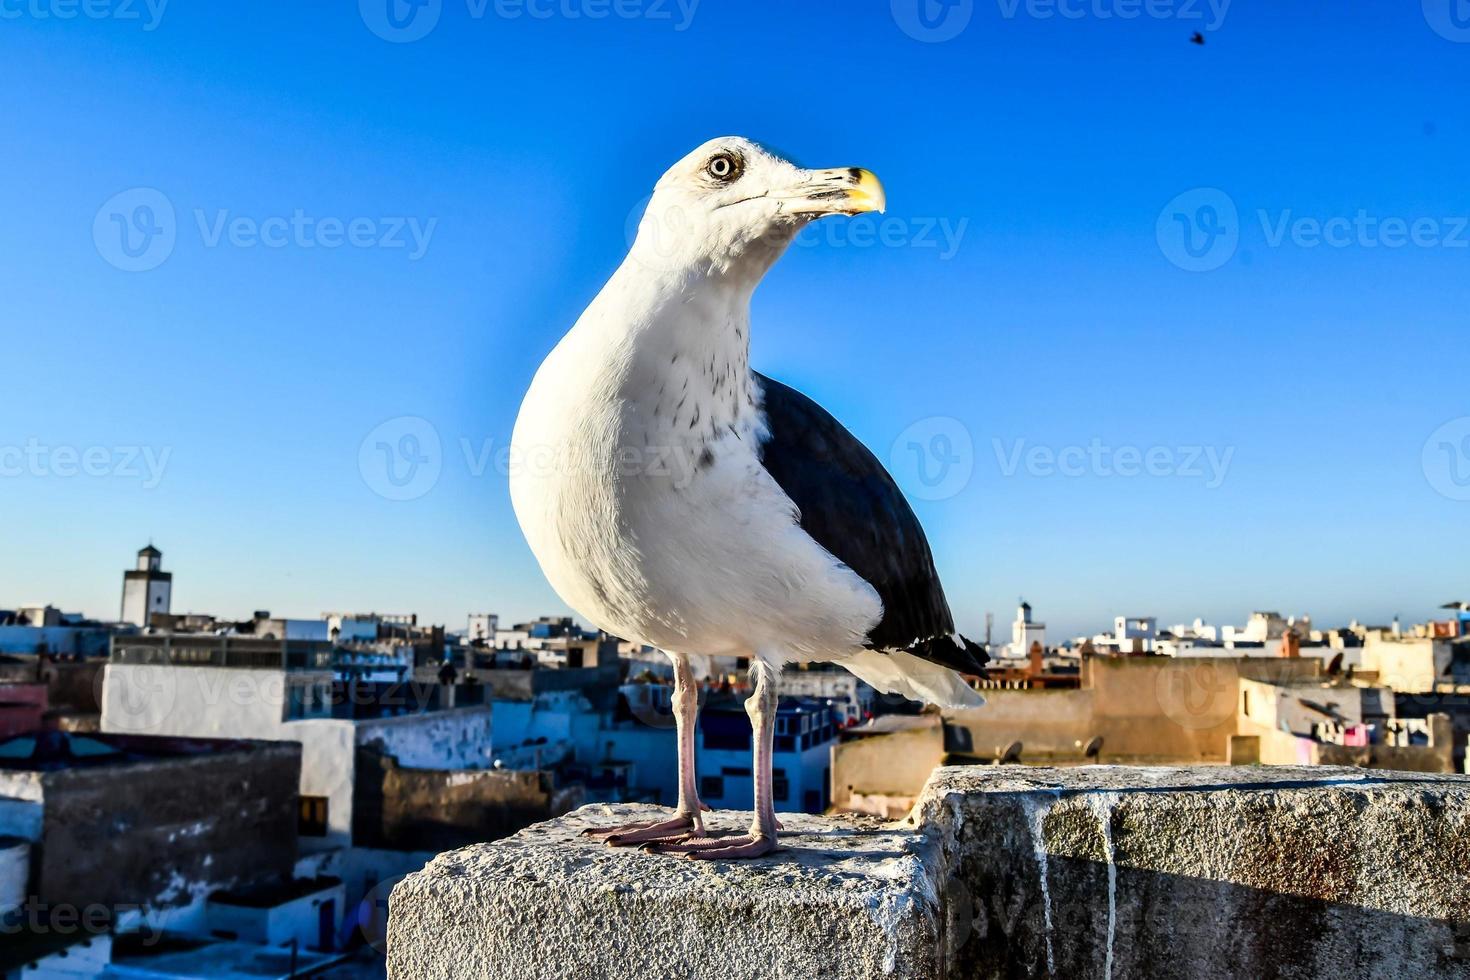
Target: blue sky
[(1030, 296)]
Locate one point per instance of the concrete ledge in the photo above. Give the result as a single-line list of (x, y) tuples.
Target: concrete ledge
[(842, 898), (1008, 871), (1203, 871)]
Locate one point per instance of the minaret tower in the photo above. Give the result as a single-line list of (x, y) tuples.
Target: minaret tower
[(147, 589)]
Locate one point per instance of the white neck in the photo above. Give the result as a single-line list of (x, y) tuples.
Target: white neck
[(674, 345)]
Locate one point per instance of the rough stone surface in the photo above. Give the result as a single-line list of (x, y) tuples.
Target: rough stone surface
[(1203, 872), (1000, 872), (843, 897)]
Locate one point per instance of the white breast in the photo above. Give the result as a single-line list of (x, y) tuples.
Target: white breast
[(636, 480)]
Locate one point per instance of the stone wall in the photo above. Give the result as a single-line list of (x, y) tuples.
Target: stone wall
[(891, 766), (1147, 709), (1203, 872), (162, 833), (1000, 872), (400, 807)]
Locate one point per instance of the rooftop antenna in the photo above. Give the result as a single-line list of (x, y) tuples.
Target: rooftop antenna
[(989, 625)]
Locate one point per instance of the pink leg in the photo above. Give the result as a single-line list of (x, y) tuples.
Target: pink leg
[(687, 822), (761, 839)]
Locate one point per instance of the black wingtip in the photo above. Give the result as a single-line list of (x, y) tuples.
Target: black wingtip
[(953, 651)]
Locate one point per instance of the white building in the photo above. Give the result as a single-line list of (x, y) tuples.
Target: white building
[(1197, 630), (802, 756), (1260, 628), (1135, 634), (482, 627), (192, 685), (147, 589), (1024, 632), (850, 699)]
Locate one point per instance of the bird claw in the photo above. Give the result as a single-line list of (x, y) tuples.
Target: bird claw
[(649, 831), (620, 829), (746, 849), (715, 848), (657, 845)]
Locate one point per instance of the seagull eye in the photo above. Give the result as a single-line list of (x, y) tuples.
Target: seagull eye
[(723, 167)]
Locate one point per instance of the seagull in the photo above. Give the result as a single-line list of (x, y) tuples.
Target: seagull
[(1197, 39), (676, 498)]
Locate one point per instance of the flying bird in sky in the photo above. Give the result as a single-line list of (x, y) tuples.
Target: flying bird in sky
[(1197, 39), (677, 498)]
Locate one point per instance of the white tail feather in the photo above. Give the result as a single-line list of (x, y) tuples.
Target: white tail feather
[(896, 672)]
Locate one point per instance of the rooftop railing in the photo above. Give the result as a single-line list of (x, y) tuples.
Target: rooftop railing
[(247, 652)]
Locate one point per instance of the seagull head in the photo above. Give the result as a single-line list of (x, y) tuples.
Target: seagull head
[(732, 206)]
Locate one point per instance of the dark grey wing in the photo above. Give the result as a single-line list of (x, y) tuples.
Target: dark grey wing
[(850, 505)]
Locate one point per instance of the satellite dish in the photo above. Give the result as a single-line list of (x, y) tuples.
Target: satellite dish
[(1335, 666), (1094, 746), (1011, 755)]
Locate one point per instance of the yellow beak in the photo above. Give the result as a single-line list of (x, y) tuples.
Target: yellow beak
[(843, 190)]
